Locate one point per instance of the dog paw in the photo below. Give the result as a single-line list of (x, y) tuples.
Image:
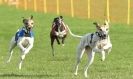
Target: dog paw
[(86, 76), (26, 51), (23, 50), (102, 59), (75, 74), (63, 44), (8, 61)]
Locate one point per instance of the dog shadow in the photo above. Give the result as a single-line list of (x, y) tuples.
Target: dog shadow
[(29, 75), (59, 59)]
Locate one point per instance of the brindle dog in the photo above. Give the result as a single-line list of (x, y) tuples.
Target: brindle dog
[(58, 31)]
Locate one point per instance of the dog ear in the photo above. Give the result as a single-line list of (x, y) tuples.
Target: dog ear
[(31, 17), (61, 17), (97, 25), (106, 22), (23, 19)]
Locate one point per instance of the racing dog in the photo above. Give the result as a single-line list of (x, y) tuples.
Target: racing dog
[(58, 31), (24, 39), (94, 42)]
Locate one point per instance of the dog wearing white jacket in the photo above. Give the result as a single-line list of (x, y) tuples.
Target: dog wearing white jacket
[(94, 42), (24, 39)]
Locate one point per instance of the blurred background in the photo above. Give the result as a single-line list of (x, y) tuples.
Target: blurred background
[(120, 11)]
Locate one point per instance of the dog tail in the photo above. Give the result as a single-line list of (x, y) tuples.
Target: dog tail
[(78, 36)]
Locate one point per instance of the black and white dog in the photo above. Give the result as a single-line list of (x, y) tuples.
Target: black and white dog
[(94, 42), (58, 32), (24, 39)]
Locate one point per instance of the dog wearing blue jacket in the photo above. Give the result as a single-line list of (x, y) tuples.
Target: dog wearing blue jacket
[(24, 39)]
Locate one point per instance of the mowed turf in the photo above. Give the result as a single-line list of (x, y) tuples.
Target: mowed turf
[(40, 64)]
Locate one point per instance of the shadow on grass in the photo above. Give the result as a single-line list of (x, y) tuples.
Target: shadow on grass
[(59, 59), (29, 75)]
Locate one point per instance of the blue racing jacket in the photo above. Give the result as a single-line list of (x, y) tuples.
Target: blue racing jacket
[(23, 32)]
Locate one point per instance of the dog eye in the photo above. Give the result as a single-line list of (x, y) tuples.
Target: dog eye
[(26, 23), (100, 29), (107, 29)]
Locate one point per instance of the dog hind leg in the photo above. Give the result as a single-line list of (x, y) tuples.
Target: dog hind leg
[(21, 61), (80, 53), (90, 61), (52, 43), (12, 46)]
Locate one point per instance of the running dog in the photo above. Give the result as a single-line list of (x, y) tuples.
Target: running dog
[(58, 31), (94, 42), (24, 39)]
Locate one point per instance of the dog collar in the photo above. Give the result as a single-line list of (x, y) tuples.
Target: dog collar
[(91, 37), (100, 35)]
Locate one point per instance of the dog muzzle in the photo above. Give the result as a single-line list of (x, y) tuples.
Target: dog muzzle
[(101, 35)]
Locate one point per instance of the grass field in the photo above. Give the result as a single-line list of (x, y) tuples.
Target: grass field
[(39, 63)]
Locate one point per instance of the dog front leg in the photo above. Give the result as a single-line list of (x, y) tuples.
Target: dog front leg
[(63, 39), (31, 41), (96, 49), (108, 48), (57, 40), (28, 49), (103, 55), (20, 45)]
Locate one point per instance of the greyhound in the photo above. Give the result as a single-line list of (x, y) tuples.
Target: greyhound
[(58, 31), (94, 42), (24, 39)]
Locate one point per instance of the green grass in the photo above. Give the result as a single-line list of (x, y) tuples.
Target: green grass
[(39, 63)]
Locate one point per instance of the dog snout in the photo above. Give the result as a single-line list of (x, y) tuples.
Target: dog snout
[(104, 36)]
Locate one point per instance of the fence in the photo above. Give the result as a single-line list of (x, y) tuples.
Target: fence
[(113, 10)]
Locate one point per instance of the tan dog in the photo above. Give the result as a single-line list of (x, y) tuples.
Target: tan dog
[(24, 39), (94, 42)]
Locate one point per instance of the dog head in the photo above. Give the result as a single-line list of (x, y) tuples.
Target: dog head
[(58, 20), (28, 22), (102, 30)]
